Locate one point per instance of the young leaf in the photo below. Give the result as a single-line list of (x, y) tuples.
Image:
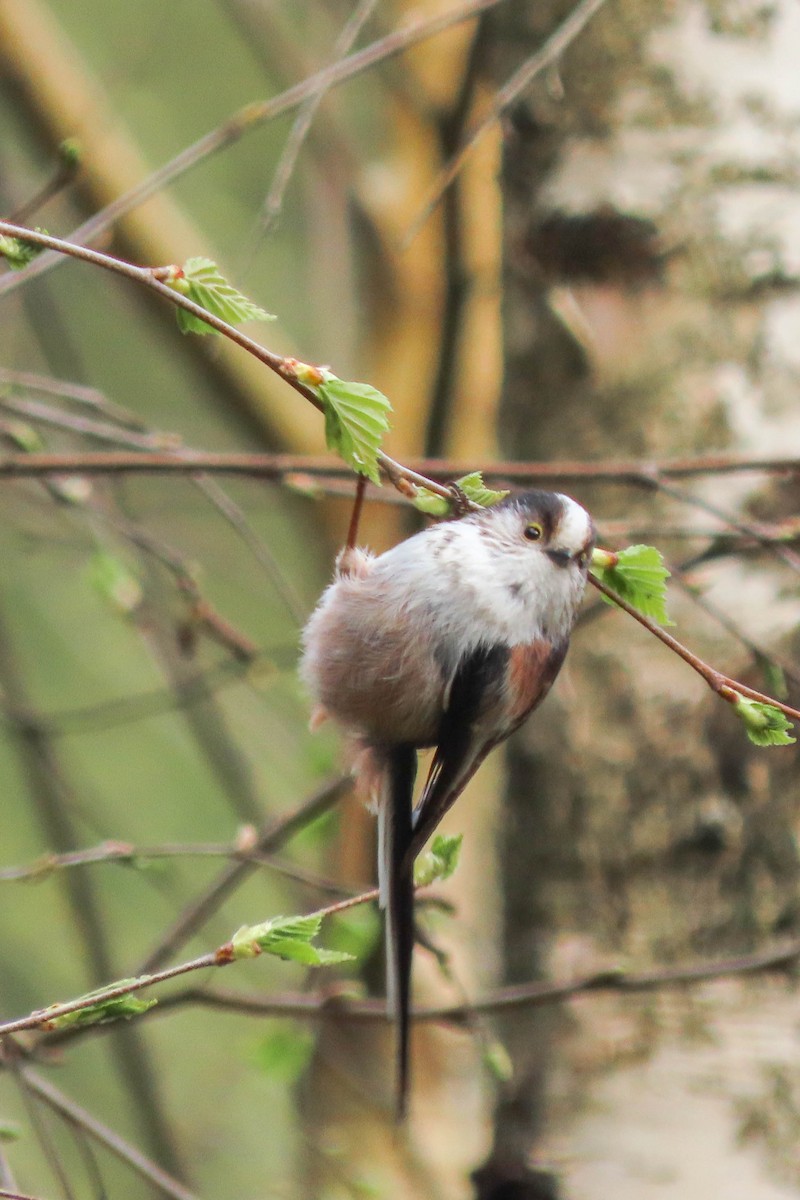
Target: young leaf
[(638, 575), (200, 280), (765, 724), (498, 1062), (115, 583), (289, 938), (17, 252), (355, 422), (471, 485), (357, 931), (774, 677), (440, 861), (112, 1008), (24, 436), (285, 1051)]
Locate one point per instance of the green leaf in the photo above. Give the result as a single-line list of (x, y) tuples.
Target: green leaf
[(638, 575), (115, 583), (355, 422), (440, 861), (24, 436), (9, 1132), (357, 931), (200, 280), (285, 1051), (112, 1008), (289, 938), (774, 677), (471, 485), (70, 152), (498, 1062), (17, 252), (765, 724)]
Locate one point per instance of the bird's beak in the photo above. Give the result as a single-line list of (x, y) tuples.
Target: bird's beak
[(563, 558)]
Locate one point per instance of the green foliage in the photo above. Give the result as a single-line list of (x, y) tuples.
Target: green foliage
[(471, 485), (105, 1008), (765, 724), (70, 152), (288, 938), (24, 436), (440, 861), (18, 252), (355, 422), (115, 583), (498, 1062), (356, 931), (774, 678), (285, 1051), (638, 575), (9, 1132), (201, 280)]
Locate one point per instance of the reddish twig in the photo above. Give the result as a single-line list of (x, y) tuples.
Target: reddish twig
[(723, 685), (253, 116), (522, 78), (425, 471)]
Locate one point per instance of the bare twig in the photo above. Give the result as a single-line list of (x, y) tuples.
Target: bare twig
[(302, 123), (252, 116), (723, 685), (522, 78), (275, 835), (88, 397), (107, 1137), (335, 1004), (127, 854), (630, 472)]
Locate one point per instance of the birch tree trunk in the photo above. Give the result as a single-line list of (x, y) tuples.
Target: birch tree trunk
[(648, 240)]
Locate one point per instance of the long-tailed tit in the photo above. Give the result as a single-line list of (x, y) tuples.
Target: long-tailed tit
[(449, 640)]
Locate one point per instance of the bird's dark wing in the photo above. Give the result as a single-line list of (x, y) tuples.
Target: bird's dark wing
[(492, 692), (477, 687)]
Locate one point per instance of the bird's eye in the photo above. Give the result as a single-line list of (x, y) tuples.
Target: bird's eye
[(533, 531)]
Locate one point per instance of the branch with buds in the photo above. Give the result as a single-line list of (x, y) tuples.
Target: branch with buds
[(356, 419)]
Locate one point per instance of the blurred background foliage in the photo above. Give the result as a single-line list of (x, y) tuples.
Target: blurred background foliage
[(613, 274)]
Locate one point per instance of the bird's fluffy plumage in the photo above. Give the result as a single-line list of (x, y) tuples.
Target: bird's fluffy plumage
[(449, 640)]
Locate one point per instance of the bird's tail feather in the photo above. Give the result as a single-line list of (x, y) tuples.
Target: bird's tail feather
[(396, 884)]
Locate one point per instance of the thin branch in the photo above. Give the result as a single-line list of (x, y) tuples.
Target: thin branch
[(723, 685), (252, 116), (107, 1137), (65, 172), (271, 838), (129, 855), (36, 410), (335, 1005), (150, 277), (138, 437), (273, 203), (745, 528), (404, 478), (522, 78), (233, 514), (42, 1133), (89, 397), (44, 1018), (630, 472)]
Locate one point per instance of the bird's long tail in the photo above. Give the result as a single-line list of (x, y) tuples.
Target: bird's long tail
[(396, 882)]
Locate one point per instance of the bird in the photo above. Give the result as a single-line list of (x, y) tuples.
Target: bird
[(448, 640)]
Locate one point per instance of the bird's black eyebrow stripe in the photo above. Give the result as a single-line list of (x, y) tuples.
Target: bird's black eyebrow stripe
[(545, 507)]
